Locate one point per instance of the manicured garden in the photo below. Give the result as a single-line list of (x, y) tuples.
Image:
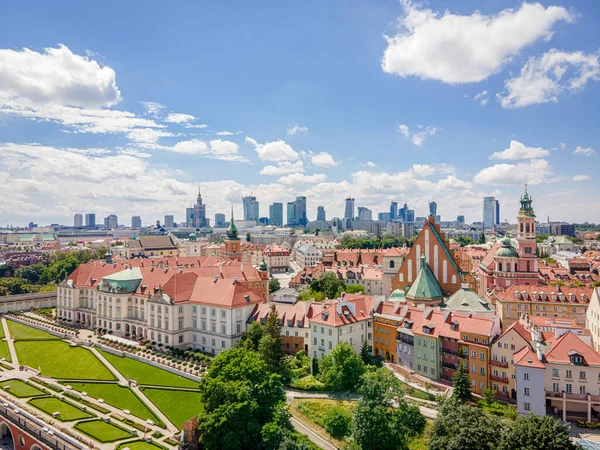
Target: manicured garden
[(178, 406), (21, 332), (147, 374), (139, 445), (102, 431), (57, 359), (67, 410), (4, 351), (118, 396), (21, 389)]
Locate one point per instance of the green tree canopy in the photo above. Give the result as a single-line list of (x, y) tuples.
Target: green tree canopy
[(270, 346), (461, 384), (329, 284), (536, 433), (342, 369), (274, 285)]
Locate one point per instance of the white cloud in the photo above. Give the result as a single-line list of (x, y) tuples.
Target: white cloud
[(199, 125), (227, 133), (324, 160), (283, 168), (482, 97), (369, 164), (179, 118), (298, 178), (57, 76), (534, 172), (152, 108), (518, 150), (543, 79), (589, 151), (423, 170), (295, 129), (147, 136), (274, 151), (454, 48), (582, 178), (215, 149), (417, 137)]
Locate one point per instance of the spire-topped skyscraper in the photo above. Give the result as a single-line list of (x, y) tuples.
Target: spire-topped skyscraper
[(196, 215)]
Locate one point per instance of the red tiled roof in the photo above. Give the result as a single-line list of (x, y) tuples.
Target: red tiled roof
[(328, 315), (568, 344), (581, 294), (526, 357)]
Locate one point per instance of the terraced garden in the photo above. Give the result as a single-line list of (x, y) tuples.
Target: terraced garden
[(67, 411), (102, 431), (21, 389), (178, 406)]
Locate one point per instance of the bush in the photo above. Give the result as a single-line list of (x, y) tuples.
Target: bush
[(337, 422)]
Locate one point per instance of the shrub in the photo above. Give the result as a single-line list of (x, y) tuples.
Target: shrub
[(337, 422)]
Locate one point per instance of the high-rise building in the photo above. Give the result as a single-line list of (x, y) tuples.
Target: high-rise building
[(410, 215), (250, 208), (291, 213), (136, 222), (219, 219), (111, 222), (364, 214), (276, 214), (384, 216), (402, 213), (460, 219), (195, 216), (497, 212), (77, 220), (393, 211), (489, 212), (90, 220), (321, 213), (301, 211), (169, 221), (432, 208), (349, 213)]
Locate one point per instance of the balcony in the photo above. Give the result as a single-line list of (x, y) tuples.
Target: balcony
[(449, 365), (463, 355), (499, 379), (498, 363), (446, 351), (572, 397)]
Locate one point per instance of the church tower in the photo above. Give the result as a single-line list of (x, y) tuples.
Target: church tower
[(526, 227), (232, 242)]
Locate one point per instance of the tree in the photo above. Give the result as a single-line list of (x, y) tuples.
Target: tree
[(6, 270), (461, 384), (342, 370), (253, 336), (489, 396), (248, 237), (329, 284), (376, 423), (533, 432), (31, 273), (337, 422), (315, 367), (270, 347), (365, 353), (482, 238), (240, 396), (352, 289), (463, 427), (464, 240), (274, 285)]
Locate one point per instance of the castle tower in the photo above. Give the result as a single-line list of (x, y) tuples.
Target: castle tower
[(526, 227), (232, 242)]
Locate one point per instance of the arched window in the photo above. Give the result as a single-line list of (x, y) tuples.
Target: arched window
[(527, 228), (392, 264), (500, 267)]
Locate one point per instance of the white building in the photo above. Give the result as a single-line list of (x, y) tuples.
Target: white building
[(307, 255)]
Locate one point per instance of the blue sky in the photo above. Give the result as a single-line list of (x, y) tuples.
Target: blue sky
[(382, 100)]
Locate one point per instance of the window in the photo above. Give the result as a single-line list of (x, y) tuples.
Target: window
[(499, 344), (474, 369), (526, 392), (473, 383), (181, 339), (482, 370), (555, 387), (475, 339), (568, 374), (181, 309), (582, 389), (527, 406), (555, 373), (568, 388), (482, 356), (526, 375), (473, 354), (181, 324), (582, 375)]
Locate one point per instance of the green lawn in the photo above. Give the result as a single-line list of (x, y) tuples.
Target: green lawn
[(67, 411), (147, 374), (58, 359), (4, 351), (102, 431), (117, 396), (22, 332), (2, 335), (139, 445), (20, 389), (178, 406)]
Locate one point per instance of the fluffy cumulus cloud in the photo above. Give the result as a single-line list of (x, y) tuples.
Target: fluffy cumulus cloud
[(274, 151), (214, 149), (455, 48), (370, 164), (584, 151), (423, 170), (57, 75), (323, 160), (581, 178), (518, 150), (152, 108), (534, 172), (300, 178), (295, 129), (417, 137), (179, 118), (283, 168), (543, 79)]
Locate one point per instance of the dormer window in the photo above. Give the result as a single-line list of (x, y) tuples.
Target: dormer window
[(466, 338), (577, 359)]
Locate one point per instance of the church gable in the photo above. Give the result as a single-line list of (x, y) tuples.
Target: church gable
[(438, 256)]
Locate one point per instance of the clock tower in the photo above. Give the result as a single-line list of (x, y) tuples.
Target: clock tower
[(232, 242)]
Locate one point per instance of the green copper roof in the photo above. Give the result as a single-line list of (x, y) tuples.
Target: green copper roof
[(398, 295), (193, 236), (465, 300), (507, 250), (232, 231), (263, 265), (425, 287)]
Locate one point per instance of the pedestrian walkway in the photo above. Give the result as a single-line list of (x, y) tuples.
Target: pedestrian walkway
[(11, 343)]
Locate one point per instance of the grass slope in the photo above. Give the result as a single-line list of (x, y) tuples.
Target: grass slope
[(117, 396), (22, 332), (20, 389), (178, 406), (102, 431), (4, 351), (58, 359), (2, 335), (67, 411), (147, 374)]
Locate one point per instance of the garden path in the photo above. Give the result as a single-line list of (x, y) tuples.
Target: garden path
[(11, 343)]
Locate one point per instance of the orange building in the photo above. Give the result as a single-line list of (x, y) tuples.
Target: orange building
[(386, 319)]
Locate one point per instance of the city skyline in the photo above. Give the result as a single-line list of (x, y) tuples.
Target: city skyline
[(93, 137)]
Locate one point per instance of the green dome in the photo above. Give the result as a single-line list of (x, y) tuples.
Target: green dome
[(263, 265), (507, 250), (398, 295), (193, 236)]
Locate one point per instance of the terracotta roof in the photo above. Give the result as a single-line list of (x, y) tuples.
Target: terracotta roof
[(295, 315), (557, 294), (520, 329), (488, 260), (567, 345), (526, 357), (338, 312)]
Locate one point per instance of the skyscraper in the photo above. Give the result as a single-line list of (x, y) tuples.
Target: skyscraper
[(384, 216), (410, 215), (402, 213), (169, 221), (195, 216), (111, 222), (364, 214), (349, 213), (301, 211), (291, 213), (460, 219), (497, 212), (276, 214), (90, 220), (489, 212), (77, 220), (432, 208), (321, 213), (393, 211), (136, 222), (250, 208), (219, 219)]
